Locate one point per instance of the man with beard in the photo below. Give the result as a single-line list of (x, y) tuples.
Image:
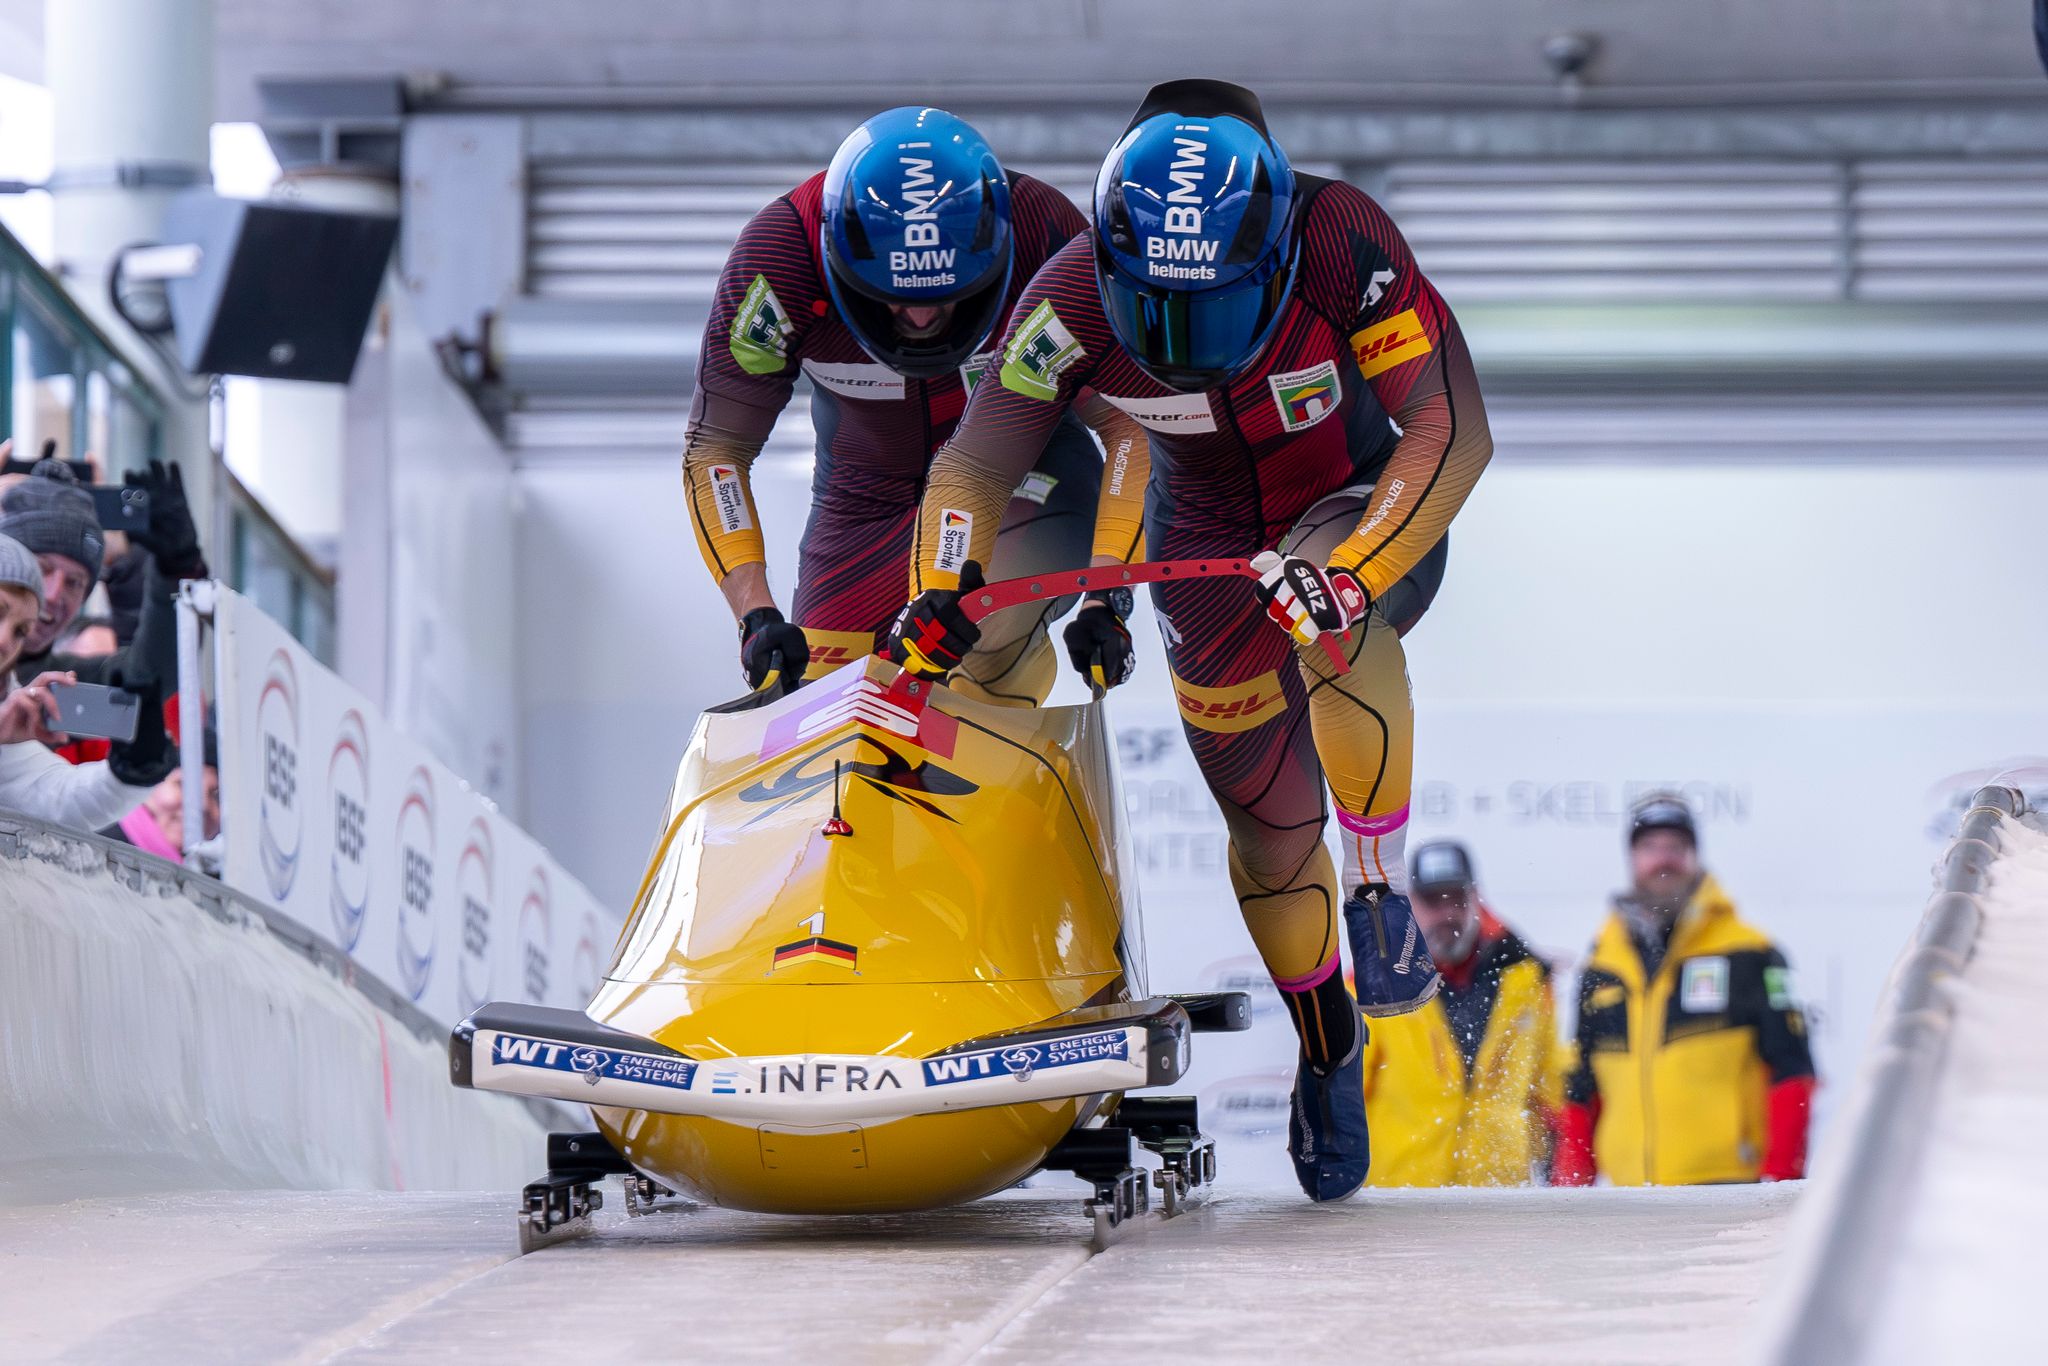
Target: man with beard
[(1462, 1092), (1693, 1066)]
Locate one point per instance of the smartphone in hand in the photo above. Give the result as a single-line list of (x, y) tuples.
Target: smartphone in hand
[(120, 507), (96, 710)]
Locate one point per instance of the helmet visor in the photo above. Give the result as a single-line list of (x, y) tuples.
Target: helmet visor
[(1188, 339)]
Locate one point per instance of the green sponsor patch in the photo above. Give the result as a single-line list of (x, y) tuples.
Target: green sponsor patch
[(761, 331), (1039, 354), (1778, 988), (976, 367)]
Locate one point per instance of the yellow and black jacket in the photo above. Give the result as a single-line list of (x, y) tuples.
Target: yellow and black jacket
[(1459, 1092), (1676, 1065)]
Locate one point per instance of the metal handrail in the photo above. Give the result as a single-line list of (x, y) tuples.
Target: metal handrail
[(1857, 1204)]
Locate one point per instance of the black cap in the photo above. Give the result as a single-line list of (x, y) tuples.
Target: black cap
[(1661, 811), (1440, 866)]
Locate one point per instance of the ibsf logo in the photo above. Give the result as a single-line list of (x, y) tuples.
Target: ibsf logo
[(1249, 1106), (473, 873), (277, 729), (1022, 1061), (348, 787), (1248, 975), (586, 973), (536, 914), (416, 883)]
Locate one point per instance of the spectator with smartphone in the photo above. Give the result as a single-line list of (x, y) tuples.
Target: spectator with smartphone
[(34, 781), (52, 514)]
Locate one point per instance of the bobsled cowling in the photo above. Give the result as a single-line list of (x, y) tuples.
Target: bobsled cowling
[(909, 1015)]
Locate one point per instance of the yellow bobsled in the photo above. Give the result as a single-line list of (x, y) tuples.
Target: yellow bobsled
[(885, 957)]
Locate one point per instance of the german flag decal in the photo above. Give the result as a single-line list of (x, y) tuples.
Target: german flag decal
[(816, 949)]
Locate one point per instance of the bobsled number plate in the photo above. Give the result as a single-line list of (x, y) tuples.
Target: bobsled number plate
[(823, 1086)]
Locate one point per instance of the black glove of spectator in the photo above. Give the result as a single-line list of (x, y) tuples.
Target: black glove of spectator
[(763, 635), (149, 758), (1099, 644), (171, 535), (932, 634)]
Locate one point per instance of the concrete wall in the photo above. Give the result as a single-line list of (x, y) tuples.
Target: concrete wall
[(427, 618), (158, 1033)]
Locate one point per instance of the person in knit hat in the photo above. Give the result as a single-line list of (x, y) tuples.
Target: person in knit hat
[(52, 514), (21, 598), (34, 781)]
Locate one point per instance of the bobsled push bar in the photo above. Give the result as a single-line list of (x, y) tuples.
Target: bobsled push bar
[(994, 597), (564, 1055)]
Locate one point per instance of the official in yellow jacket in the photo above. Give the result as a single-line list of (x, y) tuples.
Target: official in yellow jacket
[(1692, 1060), (1461, 1092)]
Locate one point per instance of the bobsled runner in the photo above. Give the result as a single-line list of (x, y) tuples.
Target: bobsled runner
[(886, 956)]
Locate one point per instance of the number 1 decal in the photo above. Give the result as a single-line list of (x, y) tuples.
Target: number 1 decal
[(814, 923)]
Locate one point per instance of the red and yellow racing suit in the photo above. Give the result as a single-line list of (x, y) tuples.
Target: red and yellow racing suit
[(1352, 440)]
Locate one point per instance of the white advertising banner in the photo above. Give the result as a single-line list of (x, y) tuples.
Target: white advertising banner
[(358, 833), (1821, 821)]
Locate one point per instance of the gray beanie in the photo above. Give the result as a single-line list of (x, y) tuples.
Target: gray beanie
[(18, 569), (52, 515)]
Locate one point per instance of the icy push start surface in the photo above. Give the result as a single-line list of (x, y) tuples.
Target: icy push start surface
[(1508, 1276)]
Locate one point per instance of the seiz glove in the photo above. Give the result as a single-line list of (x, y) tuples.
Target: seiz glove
[(1307, 601), (149, 758), (932, 634), (1099, 644), (170, 537), (764, 635)]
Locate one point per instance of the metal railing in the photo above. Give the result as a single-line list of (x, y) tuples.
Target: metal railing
[(1857, 1203)]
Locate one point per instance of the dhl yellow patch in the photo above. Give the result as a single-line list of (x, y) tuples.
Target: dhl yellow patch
[(1240, 706), (830, 649), (1385, 345), (1604, 997)]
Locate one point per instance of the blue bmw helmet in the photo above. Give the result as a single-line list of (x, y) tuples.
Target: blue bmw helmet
[(917, 213), (1195, 241)]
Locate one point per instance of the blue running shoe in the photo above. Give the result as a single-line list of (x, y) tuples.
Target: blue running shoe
[(1326, 1132), (1390, 965)]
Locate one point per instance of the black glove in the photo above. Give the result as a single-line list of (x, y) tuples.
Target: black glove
[(149, 758), (932, 634), (171, 535), (1099, 644), (764, 635)]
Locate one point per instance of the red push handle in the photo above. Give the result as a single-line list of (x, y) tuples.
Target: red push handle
[(994, 597)]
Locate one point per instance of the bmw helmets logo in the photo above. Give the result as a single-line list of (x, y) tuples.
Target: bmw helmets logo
[(277, 730), (415, 840), (348, 789)]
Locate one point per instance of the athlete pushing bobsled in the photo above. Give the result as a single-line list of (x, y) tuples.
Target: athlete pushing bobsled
[(881, 279), (1312, 408)]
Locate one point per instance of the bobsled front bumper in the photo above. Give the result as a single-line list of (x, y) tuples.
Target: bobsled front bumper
[(564, 1055)]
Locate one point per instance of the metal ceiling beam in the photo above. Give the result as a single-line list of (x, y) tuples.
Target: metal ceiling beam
[(1339, 133)]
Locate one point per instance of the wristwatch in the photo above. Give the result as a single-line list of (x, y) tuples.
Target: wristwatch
[(1117, 600)]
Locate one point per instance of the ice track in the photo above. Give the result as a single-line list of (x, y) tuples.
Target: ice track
[(1589, 1276)]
